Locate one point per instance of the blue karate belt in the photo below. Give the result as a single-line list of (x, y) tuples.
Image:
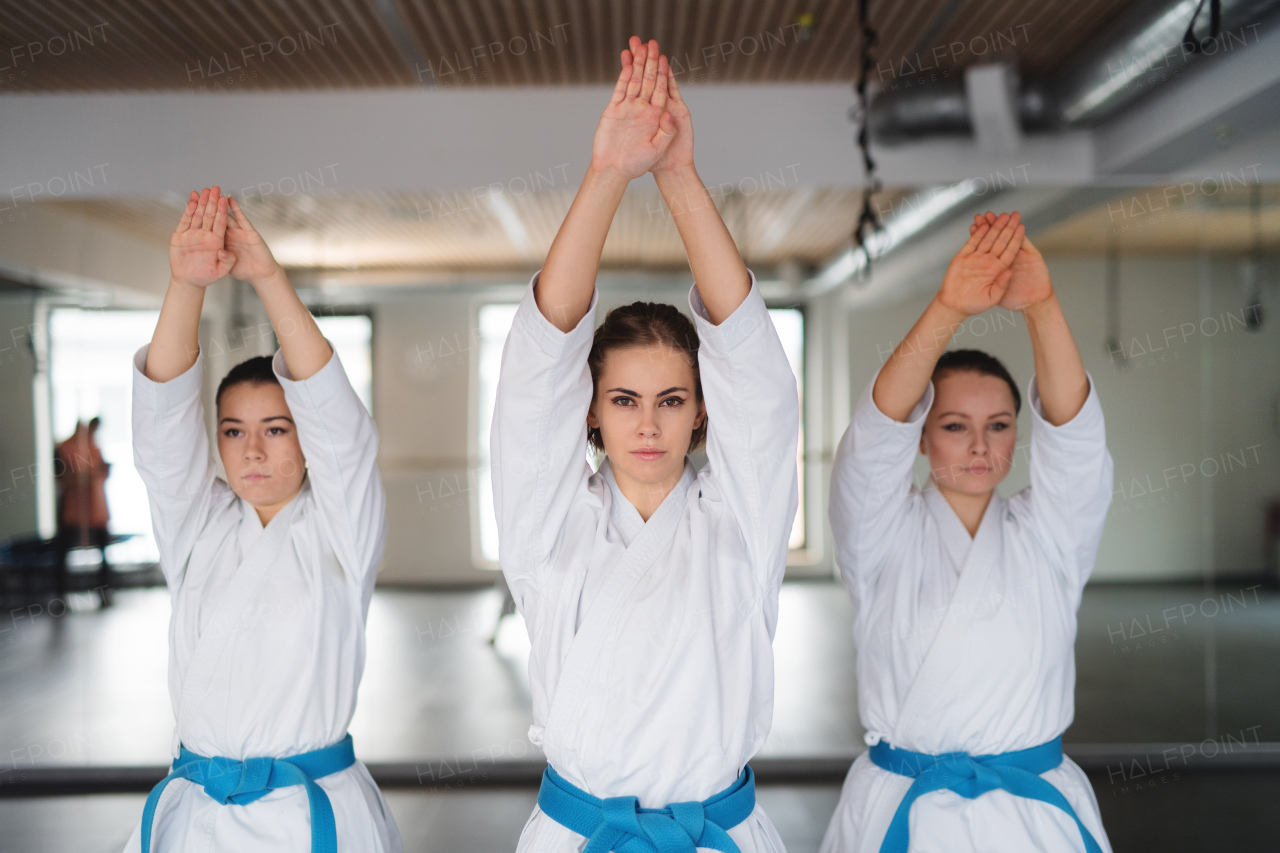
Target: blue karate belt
[(971, 776), (241, 782), (619, 824)]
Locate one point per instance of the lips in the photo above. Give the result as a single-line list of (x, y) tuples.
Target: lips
[(648, 454), (979, 469)]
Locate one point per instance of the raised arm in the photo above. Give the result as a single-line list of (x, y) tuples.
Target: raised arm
[(976, 280), (633, 132), (1060, 372), (717, 267), (170, 444), (337, 435), (196, 260), (305, 349)]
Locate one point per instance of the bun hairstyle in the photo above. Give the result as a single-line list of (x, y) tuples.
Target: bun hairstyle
[(977, 361), (650, 325), (256, 371)]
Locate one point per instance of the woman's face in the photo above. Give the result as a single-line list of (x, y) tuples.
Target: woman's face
[(971, 431), (258, 443), (646, 408)]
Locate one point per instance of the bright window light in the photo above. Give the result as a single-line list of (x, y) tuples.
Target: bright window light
[(91, 375), (352, 338)]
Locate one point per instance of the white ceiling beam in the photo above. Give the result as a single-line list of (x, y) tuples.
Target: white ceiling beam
[(445, 140)]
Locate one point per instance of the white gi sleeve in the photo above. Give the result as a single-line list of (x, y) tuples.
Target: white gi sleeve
[(1071, 483), (871, 486), (753, 424), (539, 436), (172, 454), (340, 442)]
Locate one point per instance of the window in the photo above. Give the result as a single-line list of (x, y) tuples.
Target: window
[(352, 339), (495, 323), (789, 323), (91, 375)]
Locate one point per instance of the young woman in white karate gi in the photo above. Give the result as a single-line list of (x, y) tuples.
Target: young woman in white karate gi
[(966, 600), (650, 590), (270, 571)]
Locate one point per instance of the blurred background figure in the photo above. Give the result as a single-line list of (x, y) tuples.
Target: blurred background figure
[(82, 474)]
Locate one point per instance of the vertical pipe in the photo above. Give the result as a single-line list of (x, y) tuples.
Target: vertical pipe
[(1207, 526)]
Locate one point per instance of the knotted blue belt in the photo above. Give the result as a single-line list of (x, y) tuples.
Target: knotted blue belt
[(619, 824), (971, 776), (241, 782)]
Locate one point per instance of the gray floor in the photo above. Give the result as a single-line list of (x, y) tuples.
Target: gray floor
[(1166, 665)]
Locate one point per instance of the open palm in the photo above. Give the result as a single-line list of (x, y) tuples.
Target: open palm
[(1030, 281), (978, 276), (635, 129), (254, 260), (197, 255)]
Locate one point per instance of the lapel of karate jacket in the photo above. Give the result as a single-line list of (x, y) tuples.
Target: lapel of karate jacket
[(232, 607), (976, 560), (594, 635)]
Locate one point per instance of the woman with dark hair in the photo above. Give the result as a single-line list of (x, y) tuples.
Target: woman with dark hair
[(270, 571), (650, 589), (966, 600)]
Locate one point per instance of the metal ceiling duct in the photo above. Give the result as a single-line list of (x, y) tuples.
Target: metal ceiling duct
[(1127, 62)]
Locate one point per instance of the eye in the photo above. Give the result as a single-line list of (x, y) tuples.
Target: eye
[(231, 432), (953, 427), (999, 426), (278, 430), (623, 401), (674, 401)]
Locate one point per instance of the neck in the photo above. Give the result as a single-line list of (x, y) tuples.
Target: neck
[(647, 496), (268, 512), (968, 507)]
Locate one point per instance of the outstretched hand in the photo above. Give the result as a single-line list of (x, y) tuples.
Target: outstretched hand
[(197, 254), (636, 128), (1029, 283), (253, 260), (979, 275)]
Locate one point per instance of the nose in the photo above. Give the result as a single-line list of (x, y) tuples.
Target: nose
[(253, 450), (648, 425), (979, 446)]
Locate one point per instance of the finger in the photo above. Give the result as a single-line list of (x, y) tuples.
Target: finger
[(1002, 282), (241, 221), (673, 90), (1005, 237), (211, 208), (659, 98), (220, 219), (202, 201), (975, 236), (637, 71), (226, 261), (1015, 245), (990, 238), (666, 132), (650, 72), (185, 222), (624, 77)]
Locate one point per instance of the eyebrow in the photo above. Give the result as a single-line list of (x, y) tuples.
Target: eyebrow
[(963, 415), (631, 393), (264, 420)]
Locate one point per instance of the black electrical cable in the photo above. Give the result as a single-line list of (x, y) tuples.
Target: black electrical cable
[(868, 220), (1189, 41)]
